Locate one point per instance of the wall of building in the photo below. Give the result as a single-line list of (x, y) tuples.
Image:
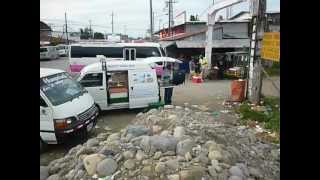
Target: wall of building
[(274, 28), (45, 35), (197, 37), (190, 28), (235, 30)]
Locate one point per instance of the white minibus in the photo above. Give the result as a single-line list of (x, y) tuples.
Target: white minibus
[(81, 55)]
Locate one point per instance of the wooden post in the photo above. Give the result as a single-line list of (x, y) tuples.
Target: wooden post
[(255, 68)]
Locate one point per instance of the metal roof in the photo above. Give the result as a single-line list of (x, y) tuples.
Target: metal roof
[(224, 43)]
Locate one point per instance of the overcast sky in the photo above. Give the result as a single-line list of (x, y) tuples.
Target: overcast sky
[(130, 16)]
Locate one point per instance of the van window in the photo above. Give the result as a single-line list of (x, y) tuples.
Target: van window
[(43, 50), (60, 88), (111, 52), (92, 80), (42, 102), (144, 52)]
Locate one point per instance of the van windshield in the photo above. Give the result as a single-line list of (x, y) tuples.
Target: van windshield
[(43, 50), (60, 88)]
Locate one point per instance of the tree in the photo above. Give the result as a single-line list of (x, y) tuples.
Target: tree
[(98, 35), (84, 34), (192, 18)]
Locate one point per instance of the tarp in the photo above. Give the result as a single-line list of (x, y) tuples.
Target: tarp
[(224, 43)]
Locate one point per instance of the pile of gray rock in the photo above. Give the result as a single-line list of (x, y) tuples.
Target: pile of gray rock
[(174, 143)]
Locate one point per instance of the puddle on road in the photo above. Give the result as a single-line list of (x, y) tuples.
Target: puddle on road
[(114, 119)]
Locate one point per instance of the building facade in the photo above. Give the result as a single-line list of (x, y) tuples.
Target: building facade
[(45, 32)]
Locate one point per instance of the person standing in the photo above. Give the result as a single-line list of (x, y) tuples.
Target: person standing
[(204, 66), (197, 66), (221, 68), (192, 68), (167, 77)]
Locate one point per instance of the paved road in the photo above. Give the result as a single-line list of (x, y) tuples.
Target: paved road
[(211, 94), (61, 63)]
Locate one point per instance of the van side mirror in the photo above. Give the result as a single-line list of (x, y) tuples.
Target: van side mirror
[(43, 103)]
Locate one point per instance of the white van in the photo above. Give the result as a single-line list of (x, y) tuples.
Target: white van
[(82, 54), (66, 108), (48, 52), (63, 50), (122, 84)]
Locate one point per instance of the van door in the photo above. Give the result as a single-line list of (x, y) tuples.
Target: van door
[(143, 88), (95, 84), (46, 122), (129, 54)]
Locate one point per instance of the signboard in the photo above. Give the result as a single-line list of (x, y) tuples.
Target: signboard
[(271, 46), (114, 38), (180, 18)]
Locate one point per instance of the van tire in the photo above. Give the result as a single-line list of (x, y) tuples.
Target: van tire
[(43, 146), (99, 109)]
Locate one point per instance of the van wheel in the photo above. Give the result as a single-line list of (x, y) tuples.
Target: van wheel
[(99, 109), (43, 146)]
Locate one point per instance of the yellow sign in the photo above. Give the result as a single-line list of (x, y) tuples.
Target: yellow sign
[(271, 46)]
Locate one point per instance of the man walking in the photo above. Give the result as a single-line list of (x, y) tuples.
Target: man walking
[(167, 77)]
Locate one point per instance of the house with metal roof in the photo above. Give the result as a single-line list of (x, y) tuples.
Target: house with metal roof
[(45, 32), (190, 38)]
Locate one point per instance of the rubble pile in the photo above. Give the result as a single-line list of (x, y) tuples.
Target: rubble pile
[(174, 143)]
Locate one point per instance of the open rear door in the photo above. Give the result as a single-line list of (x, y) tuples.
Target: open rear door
[(143, 88)]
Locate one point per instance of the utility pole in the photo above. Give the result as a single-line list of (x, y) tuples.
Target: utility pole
[(212, 12), (170, 13), (65, 18), (255, 69), (151, 21), (90, 29), (160, 23), (112, 21)]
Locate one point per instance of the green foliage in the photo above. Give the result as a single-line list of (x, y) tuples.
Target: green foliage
[(85, 34), (194, 18), (270, 118), (274, 70), (98, 35)]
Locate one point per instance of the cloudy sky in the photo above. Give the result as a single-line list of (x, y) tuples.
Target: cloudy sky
[(130, 16)]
